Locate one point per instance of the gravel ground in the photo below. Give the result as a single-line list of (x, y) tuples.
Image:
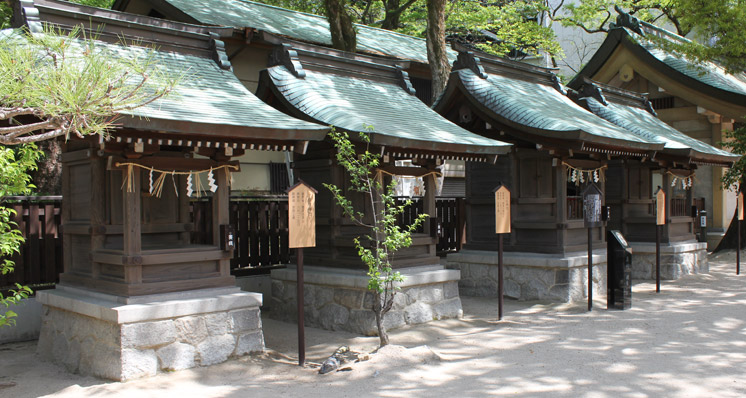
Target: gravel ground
[(687, 341)]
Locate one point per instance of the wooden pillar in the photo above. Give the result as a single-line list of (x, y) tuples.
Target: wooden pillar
[(428, 205), (560, 175), (666, 178), (184, 214), (220, 215), (98, 207), (132, 220)]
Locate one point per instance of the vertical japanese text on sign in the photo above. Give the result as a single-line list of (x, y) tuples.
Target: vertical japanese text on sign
[(302, 216), (502, 210)]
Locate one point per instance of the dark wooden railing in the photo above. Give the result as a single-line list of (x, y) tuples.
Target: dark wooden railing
[(451, 218), (261, 231), (260, 224), (574, 207), (39, 261), (679, 207)]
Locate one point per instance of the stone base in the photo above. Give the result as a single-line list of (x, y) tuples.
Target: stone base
[(677, 260), (338, 299), (530, 276), (122, 338)]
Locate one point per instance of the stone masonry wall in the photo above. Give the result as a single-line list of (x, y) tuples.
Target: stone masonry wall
[(528, 277), (675, 261), (349, 308), (90, 346)]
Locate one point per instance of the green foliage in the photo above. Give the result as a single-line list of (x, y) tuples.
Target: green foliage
[(15, 163), (5, 14), (71, 83), (719, 24), (377, 249), (735, 141), (54, 84)]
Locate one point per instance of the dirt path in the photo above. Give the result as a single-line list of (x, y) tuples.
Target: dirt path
[(688, 341)]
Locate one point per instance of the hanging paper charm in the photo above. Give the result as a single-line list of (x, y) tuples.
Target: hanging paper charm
[(151, 181), (673, 183), (211, 182), (189, 189)]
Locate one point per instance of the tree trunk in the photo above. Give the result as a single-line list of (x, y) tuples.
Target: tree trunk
[(730, 239), (436, 46), (382, 335), (391, 20), (340, 26)]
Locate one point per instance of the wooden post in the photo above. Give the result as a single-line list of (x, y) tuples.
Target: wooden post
[(739, 218), (98, 208), (132, 238), (428, 205), (592, 199), (301, 233), (660, 220), (502, 226), (221, 215), (590, 269), (301, 312)]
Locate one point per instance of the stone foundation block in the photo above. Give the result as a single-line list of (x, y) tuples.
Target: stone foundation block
[(530, 276), (338, 299), (104, 336), (677, 260)]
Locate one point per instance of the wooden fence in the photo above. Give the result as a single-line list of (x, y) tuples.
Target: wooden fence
[(261, 231), (451, 219), (39, 261), (260, 225)]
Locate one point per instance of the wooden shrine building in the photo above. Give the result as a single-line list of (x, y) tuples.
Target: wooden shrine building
[(560, 148), (136, 292), (701, 101), (363, 94), (631, 183)]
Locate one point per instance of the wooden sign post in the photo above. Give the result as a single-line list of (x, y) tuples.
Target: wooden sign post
[(502, 226), (592, 219), (660, 221), (739, 206), (302, 233)]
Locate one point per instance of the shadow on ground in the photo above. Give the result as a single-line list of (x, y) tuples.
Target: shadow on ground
[(690, 340)]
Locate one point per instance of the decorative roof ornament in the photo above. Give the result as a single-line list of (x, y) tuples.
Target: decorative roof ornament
[(218, 52), (557, 84), (403, 77), (286, 56), (625, 20), (649, 107), (29, 14), (467, 60), (590, 90)]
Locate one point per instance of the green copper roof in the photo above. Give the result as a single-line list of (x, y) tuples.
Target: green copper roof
[(205, 95), (644, 124), (708, 73), (300, 26), (542, 107), (397, 118)]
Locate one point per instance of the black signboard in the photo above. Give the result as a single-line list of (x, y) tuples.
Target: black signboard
[(619, 271), (592, 206)]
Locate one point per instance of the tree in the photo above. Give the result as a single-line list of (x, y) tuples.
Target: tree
[(437, 55), (733, 179), (15, 163), (377, 249), (54, 84), (344, 36), (718, 27)]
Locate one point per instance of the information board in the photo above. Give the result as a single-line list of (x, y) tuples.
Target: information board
[(660, 207), (502, 210), (740, 206), (301, 216)]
